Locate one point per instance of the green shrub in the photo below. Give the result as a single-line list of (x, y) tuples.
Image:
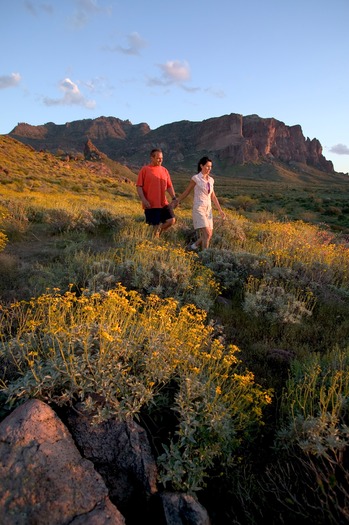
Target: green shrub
[(13, 220), (123, 349), (277, 301), (148, 267), (232, 268), (310, 475)]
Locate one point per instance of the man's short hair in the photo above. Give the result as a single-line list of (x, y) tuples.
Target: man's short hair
[(155, 150)]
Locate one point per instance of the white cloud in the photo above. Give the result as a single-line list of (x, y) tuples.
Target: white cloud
[(33, 9), (135, 44), (71, 96), (89, 6), (86, 8), (79, 19), (12, 80), (190, 89), (176, 72), (173, 72), (96, 85), (218, 93), (340, 149)]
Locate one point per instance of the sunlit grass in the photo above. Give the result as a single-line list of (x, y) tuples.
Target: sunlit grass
[(303, 247)]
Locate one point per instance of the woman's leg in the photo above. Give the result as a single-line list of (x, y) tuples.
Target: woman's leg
[(206, 235), (198, 241)]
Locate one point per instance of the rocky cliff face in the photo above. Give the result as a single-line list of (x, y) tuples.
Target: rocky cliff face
[(228, 140), (272, 138)]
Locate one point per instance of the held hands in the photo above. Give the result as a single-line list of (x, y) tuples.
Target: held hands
[(174, 203)]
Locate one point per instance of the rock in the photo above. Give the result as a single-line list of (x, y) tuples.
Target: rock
[(183, 509), (121, 453), (93, 153), (44, 479), (272, 138)]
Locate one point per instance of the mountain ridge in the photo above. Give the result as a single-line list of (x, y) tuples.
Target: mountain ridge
[(230, 140)]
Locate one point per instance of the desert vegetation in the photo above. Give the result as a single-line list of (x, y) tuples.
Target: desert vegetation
[(235, 360)]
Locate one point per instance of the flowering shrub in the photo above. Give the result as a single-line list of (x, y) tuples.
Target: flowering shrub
[(13, 219), (313, 439), (171, 271), (3, 241), (152, 268), (317, 389), (126, 349), (230, 234), (232, 269), (305, 248), (61, 220), (269, 298), (80, 219), (217, 409)]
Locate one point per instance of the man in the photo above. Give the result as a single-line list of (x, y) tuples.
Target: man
[(152, 184)]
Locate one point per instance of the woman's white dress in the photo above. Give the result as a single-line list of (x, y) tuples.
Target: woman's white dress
[(202, 205)]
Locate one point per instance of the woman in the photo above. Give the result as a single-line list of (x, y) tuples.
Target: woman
[(204, 194)]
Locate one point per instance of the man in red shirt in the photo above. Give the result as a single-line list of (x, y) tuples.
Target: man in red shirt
[(152, 184)]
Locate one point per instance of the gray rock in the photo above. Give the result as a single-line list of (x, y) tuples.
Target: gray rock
[(44, 479), (183, 509), (121, 453)]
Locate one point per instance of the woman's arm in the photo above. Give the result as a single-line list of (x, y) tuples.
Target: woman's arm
[(218, 206), (186, 192)]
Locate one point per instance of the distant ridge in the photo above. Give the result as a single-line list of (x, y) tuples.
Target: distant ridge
[(230, 140)]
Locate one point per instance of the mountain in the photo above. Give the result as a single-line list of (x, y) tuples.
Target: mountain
[(229, 140)]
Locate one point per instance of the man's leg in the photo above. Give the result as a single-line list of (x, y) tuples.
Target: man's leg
[(153, 218), (166, 225), (167, 219), (157, 230)]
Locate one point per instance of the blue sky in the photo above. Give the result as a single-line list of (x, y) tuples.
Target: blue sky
[(164, 61)]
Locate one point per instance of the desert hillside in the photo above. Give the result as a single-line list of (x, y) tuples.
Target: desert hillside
[(233, 361)]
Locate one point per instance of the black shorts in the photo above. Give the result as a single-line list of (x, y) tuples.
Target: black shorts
[(156, 216)]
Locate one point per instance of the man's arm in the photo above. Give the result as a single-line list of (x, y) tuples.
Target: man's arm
[(141, 195), (170, 190)]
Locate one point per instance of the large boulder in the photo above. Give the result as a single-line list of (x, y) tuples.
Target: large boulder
[(44, 479), (121, 453)]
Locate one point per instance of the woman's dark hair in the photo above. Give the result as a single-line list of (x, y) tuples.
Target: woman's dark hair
[(202, 162)]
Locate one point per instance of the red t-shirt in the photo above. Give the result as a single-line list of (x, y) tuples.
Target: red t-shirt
[(154, 180)]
